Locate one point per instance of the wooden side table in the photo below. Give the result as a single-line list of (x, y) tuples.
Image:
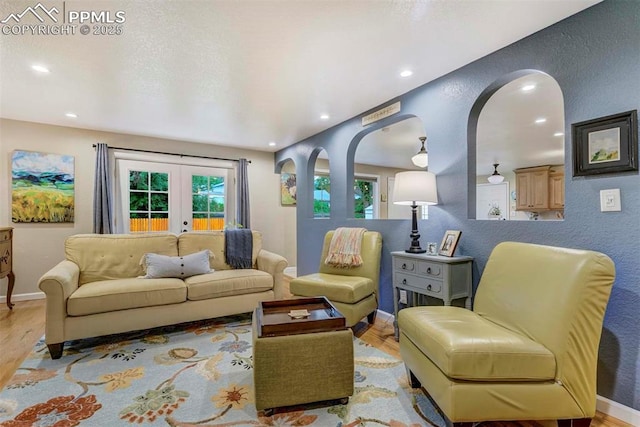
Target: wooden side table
[(6, 264), (445, 278)]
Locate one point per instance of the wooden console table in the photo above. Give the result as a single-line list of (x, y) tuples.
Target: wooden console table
[(6, 264)]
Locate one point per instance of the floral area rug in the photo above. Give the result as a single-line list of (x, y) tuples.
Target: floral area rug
[(195, 374)]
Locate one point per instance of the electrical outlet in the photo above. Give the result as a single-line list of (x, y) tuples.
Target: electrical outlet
[(403, 296)]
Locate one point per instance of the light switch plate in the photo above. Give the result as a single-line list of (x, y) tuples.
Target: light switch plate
[(610, 200)]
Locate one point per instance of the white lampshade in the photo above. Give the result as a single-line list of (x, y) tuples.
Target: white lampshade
[(495, 179), (415, 188), (421, 159)]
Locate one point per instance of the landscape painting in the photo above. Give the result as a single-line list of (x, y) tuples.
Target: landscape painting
[(42, 187), (288, 189), (604, 146)]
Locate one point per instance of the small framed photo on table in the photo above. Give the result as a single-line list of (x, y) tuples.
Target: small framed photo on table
[(449, 242), (606, 145)]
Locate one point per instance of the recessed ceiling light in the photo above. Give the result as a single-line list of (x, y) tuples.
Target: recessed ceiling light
[(558, 134), (541, 120), (324, 117), (528, 88), (40, 68), (272, 144), (71, 115), (406, 73)]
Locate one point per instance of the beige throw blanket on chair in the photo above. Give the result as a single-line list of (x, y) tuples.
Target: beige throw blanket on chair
[(344, 249)]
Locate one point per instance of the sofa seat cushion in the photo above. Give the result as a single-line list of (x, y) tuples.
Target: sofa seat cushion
[(123, 294), (465, 346), (227, 282), (346, 289)]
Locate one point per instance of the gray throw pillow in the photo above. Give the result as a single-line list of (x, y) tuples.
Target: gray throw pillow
[(158, 266)]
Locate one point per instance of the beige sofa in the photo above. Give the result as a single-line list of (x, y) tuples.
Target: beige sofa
[(98, 290)]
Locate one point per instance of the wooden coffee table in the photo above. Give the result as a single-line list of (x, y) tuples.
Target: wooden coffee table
[(274, 320)]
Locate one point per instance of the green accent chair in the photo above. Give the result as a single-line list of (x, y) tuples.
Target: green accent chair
[(529, 348), (353, 291)]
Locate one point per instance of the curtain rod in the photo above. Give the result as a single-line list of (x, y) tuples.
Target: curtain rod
[(172, 154)]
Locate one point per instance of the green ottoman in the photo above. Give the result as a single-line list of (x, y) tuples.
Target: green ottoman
[(302, 368)]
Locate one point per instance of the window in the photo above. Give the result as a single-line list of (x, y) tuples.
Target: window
[(365, 191), (164, 197), (321, 196)]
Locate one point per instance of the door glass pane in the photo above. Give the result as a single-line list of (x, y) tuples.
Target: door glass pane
[(138, 180), (208, 205), (160, 221), (159, 181), (148, 210), (138, 222)]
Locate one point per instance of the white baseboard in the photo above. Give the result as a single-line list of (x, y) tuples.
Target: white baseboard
[(604, 405), (291, 271), (383, 315), (23, 297), (618, 410)]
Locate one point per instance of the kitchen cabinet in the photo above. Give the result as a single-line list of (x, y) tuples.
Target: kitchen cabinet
[(556, 188), (532, 188)]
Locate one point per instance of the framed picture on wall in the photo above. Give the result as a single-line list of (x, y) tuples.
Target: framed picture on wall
[(606, 145), (288, 189), (42, 187), (449, 242)]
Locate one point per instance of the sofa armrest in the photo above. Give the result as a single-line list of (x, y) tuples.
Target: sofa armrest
[(58, 284), (273, 264)]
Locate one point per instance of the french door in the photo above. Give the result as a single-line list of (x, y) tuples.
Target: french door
[(162, 197)]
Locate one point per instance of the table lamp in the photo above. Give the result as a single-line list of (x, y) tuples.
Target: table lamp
[(415, 188)]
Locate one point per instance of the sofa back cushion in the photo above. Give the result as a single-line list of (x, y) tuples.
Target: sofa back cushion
[(115, 256), (196, 241)]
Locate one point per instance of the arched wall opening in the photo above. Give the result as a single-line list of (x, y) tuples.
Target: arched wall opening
[(516, 149)]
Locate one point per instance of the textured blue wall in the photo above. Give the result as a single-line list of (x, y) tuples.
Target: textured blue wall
[(595, 58)]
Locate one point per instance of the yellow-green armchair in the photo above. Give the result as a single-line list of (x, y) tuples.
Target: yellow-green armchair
[(529, 348), (353, 291)]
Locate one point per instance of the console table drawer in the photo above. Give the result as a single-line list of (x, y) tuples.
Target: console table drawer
[(5, 234), (420, 283), (403, 264), (430, 269)]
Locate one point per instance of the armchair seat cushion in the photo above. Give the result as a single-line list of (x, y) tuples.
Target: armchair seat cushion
[(122, 294), (345, 289), (466, 346)]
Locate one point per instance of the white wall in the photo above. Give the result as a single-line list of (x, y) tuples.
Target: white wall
[(38, 247)]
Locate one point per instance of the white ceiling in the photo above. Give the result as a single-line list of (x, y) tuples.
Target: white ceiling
[(244, 73)]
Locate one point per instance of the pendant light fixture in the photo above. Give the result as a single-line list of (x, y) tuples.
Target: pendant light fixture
[(495, 178), (421, 159)]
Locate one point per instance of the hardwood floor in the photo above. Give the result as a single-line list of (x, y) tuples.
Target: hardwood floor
[(21, 328)]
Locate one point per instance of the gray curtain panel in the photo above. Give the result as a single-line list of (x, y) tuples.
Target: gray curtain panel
[(102, 194), (243, 213)]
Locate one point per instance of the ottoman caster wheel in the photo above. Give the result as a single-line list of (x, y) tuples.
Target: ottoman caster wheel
[(343, 401), (268, 412)]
